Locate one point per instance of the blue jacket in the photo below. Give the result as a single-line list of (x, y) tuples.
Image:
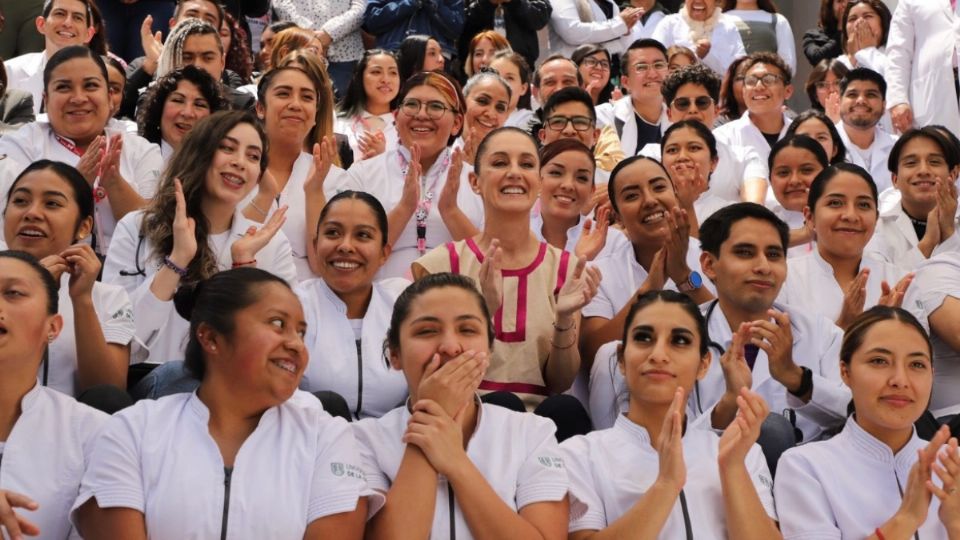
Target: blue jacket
[(393, 20)]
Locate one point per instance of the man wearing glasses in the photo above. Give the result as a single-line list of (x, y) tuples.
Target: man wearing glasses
[(639, 118), (692, 94), (766, 87)]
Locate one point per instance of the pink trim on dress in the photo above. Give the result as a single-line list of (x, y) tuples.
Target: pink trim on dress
[(454, 258)]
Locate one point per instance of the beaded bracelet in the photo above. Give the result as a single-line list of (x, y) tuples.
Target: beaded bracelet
[(182, 272)]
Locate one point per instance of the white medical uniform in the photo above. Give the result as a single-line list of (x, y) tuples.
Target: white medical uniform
[(846, 487), (157, 457), (786, 46), (643, 30), (873, 159), (383, 177), (922, 52), (725, 42), (895, 241), (45, 455), (623, 113), (292, 195), (623, 275), (519, 118), (516, 453), (610, 470), (115, 314), (794, 220), (568, 30), (131, 264), (25, 72), (938, 278), (140, 166), (812, 287), (354, 127), (353, 366), (735, 164), (743, 132)]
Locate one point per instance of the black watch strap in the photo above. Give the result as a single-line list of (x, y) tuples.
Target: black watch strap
[(806, 383)]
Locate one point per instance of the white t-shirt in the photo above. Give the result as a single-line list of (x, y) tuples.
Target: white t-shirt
[(367, 382), (516, 453), (45, 455), (383, 177), (743, 132), (353, 127), (157, 457), (846, 487), (115, 313), (725, 42), (937, 279), (610, 470), (140, 166)]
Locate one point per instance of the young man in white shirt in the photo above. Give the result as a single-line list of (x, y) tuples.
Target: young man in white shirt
[(790, 358), (767, 85), (862, 102), (923, 223), (63, 23), (639, 117), (692, 93)]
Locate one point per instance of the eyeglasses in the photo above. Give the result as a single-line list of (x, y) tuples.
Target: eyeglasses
[(580, 123), (770, 79), (435, 109), (659, 65), (701, 102), (594, 63)]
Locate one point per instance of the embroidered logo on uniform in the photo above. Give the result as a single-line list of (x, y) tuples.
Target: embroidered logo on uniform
[(551, 462), (346, 469), (337, 469), (123, 314)]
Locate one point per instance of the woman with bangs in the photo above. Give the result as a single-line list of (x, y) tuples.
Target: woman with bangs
[(842, 212), (366, 112), (195, 228), (174, 104), (421, 183), (534, 290), (295, 104)]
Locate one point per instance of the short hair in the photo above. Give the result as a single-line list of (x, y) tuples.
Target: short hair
[(643, 43), (819, 184), (697, 74), (819, 73), (815, 114), (863, 74), (551, 58), (715, 230), (214, 3), (172, 55), (770, 59), (48, 8), (570, 94), (951, 153)]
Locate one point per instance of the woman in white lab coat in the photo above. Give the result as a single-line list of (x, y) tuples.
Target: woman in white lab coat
[(920, 71), (195, 228), (876, 479), (651, 475), (577, 22), (347, 311), (702, 27)]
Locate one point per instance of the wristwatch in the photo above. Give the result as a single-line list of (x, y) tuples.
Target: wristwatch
[(693, 282), (806, 383)]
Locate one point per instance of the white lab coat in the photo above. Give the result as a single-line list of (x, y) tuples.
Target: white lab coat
[(25, 72), (622, 110), (895, 241), (358, 372), (735, 165), (131, 264), (879, 153), (725, 42), (920, 48), (743, 132), (567, 31), (354, 126)]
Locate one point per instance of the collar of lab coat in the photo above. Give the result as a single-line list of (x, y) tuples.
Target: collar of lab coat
[(623, 111), (873, 448)]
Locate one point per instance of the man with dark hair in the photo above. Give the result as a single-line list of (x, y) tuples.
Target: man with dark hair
[(862, 102), (766, 87), (63, 23), (555, 72), (788, 357), (639, 118), (691, 93)]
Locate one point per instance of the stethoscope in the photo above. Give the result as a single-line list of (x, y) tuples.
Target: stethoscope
[(136, 261)]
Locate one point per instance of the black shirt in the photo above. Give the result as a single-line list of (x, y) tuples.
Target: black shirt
[(647, 133)]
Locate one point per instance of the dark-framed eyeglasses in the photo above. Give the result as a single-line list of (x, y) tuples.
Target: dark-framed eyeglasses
[(768, 80), (596, 63), (580, 123)]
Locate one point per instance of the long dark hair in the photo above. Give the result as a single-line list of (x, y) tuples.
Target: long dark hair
[(411, 54), (670, 297), (728, 101), (882, 11), (814, 114), (82, 192), (190, 164), (239, 57), (151, 109), (355, 98)]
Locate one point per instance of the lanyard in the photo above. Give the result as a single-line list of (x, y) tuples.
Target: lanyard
[(426, 196)]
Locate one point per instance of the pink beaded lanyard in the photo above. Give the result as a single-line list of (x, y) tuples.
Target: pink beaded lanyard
[(426, 197)]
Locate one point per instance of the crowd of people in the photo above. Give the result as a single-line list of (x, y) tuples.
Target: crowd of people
[(484, 269)]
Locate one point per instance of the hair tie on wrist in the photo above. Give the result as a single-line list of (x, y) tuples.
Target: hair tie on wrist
[(238, 264), (182, 272)]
